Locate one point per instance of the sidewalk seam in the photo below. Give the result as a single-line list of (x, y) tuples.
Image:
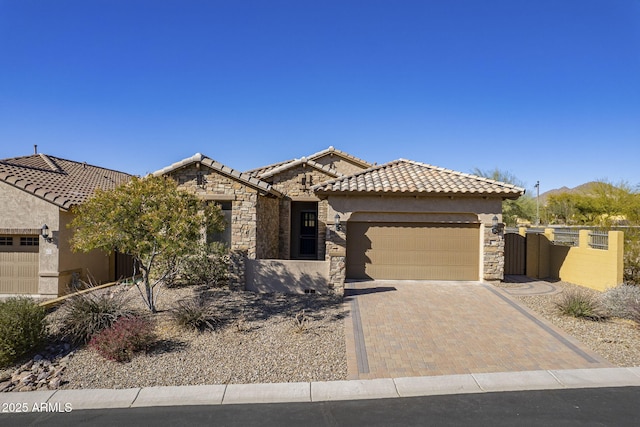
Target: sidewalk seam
[(556, 378), (478, 383), (224, 394), (136, 397)]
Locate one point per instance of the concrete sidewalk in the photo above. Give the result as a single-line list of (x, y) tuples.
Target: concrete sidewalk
[(66, 400)]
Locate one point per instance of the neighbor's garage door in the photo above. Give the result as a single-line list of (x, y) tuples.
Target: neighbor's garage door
[(413, 251), (18, 265)]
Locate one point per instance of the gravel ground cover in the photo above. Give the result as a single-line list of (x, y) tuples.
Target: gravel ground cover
[(616, 340), (255, 341)]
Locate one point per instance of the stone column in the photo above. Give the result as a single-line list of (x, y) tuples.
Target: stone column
[(336, 251), (493, 254), (237, 266)]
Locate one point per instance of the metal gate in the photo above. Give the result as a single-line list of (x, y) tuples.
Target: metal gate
[(515, 253)]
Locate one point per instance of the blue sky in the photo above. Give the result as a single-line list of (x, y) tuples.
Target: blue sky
[(547, 90)]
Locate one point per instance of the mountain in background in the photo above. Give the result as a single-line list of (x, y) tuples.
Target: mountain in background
[(583, 188)]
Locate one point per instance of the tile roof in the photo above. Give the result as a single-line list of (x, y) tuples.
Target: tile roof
[(62, 182), (243, 177), (303, 161), (266, 170), (409, 177)]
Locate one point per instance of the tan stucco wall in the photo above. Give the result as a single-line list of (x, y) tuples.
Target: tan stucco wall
[(594, 268), (286, 276), (485, 209), (94, 265), (56, 260), (22, 210)]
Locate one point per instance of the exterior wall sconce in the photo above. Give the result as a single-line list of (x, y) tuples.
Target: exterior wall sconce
[(337, 226), (201, 181), (306, 180), (495, 227), (46, 235)]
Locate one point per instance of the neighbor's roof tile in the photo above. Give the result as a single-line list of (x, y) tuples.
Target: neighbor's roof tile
[(406, 176), (62, 182)]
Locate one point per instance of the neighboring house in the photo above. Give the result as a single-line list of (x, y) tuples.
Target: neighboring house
[(310, 224), (40, 190)]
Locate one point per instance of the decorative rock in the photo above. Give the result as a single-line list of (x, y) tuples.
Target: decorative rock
[(54, 383), (28, 379), (26, 366), (44, 371)]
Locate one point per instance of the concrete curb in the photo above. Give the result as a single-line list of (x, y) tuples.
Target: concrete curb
[(325, 391)]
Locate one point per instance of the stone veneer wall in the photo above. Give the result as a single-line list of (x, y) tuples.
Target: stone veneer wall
[(267, 223), (244, 235), (289, 182), (336, 244), (493, 254), (220, 187)]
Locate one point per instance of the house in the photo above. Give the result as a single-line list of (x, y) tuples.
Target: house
[(406, 220), (37, 193), (312, 223)]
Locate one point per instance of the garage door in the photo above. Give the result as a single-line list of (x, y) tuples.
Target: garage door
[(413, 251), (18, 265)]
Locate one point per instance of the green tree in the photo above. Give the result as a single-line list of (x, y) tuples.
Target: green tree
[(600, 204), (605, 205), (523, 208), (151, 220)]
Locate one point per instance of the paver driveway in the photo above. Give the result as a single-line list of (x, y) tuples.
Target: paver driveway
[(407, 328)]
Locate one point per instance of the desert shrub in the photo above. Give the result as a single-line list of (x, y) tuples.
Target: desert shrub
[(127, 336), (634, 311), (618, 301), (194, 313), (23, 328), (632, 257), (300, 322), (87, 314), (581, 304), (208, 266)]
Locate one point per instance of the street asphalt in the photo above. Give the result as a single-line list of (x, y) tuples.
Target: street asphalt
[(561, 407), (65, 401)]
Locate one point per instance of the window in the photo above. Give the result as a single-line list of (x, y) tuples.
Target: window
[(6, 241), (29, 241), (225, 235)]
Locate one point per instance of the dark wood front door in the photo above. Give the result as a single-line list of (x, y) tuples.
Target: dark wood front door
[(308, 234), (304, 230)]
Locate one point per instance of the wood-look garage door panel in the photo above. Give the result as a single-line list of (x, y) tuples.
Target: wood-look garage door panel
[(19, 272), (412, 251)]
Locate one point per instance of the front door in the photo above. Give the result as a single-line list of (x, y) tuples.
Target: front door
[(304, 230), (308, 234)]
